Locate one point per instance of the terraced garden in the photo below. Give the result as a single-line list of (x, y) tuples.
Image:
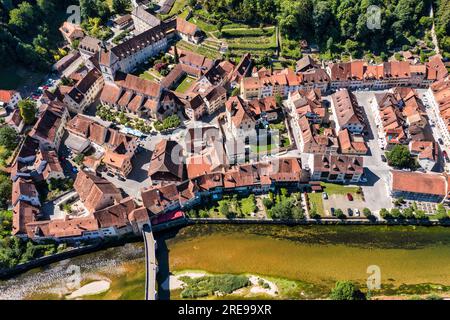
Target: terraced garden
[(255, 40), (204, 49)]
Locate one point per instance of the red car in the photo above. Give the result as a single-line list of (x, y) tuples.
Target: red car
[(349, 197), (444, 153)]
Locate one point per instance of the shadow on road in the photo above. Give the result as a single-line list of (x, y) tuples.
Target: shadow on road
[(162, 255), (138, 174), (371, 177)]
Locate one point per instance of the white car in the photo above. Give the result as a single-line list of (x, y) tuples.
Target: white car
[(357, 212)]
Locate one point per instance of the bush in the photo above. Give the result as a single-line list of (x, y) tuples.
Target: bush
[(346, 290), (267, 202), (209, 285), (8, 138), (168, 123), (340, 214)]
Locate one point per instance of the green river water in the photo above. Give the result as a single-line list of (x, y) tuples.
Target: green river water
[(303, 261)]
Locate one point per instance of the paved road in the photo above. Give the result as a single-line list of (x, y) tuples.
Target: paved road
[(151, 266), (376, 171)]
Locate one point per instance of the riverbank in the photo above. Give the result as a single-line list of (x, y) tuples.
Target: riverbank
[(303, 262)]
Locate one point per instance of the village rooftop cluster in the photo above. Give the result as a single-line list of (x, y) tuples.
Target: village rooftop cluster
[(242, 130)]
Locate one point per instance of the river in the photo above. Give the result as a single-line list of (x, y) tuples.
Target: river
[(303, 261)]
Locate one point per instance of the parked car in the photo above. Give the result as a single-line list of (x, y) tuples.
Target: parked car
[(349, 212), (383, 158), (357, 212), (444, 153), (440, 141), (332, 211), (324, 195), (349, 197)]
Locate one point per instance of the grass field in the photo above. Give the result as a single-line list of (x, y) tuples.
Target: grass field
[(315, 201), (332, 188), (185, 84)]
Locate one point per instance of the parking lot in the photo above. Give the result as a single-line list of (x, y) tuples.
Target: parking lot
[(340, 201)]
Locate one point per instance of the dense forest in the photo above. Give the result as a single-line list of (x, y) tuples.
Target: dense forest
[(337, 25), (29, 33), (442, 22)]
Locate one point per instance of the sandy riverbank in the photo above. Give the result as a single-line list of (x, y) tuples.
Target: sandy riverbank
[(90, 289)]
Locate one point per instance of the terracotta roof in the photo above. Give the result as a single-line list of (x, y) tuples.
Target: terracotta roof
[(138, 85), (53, 164), (115, 215), (22, 187), (424, 183), (157, 198), (23, 213), (345, 106), (186, 27), (335, 164), (425, 149), (6, 95), (95, 192), (116, 160), (48, 123), (436, 68), (167, 161), (110, 93), (15, 119), (237, 107), (139, 215)]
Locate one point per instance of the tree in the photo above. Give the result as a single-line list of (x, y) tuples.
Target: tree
[(420, 214), (408, 213), (441, 212), (384, 213), (279, 100), (5, 190), (120, 6), (396, 213), (27, 110), (346, 290), (367, 213), (340, 214), (297, 213), (8, 137), (400, 157), (224, 209), (23, 17)]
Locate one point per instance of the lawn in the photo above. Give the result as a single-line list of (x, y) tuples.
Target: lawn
[(332, 188), (185, 84), (315, 200), (147, 76), (263, 148), (248, 205)]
